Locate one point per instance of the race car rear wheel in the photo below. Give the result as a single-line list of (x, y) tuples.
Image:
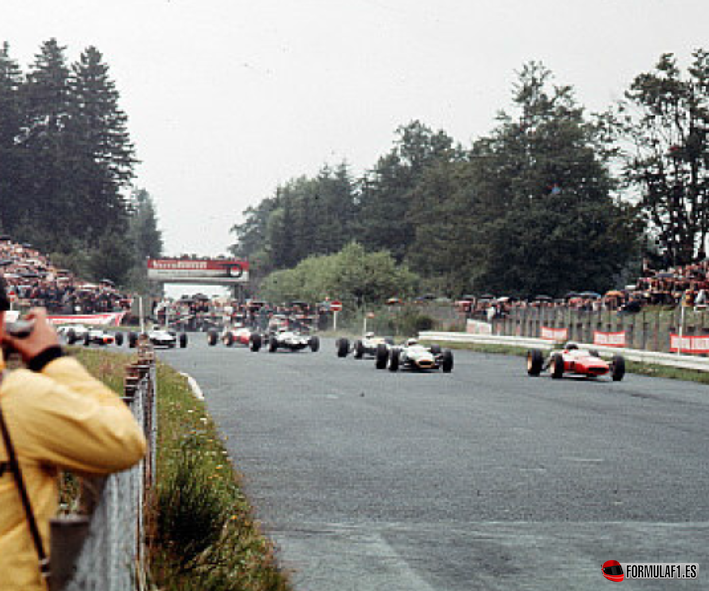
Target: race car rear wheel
[(314, 343), (255, 342), (71, 337), (87, 340), (229, 339), (212, 338), (272, 345), (382, 356), (557, 366), (447, 362), (359, 349), (183, 340), (119, 338), (343, 347), (535, 362), (617, 368), (132, 340), (394, 359)]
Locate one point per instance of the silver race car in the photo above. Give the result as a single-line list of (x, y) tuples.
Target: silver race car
[(414, 356)]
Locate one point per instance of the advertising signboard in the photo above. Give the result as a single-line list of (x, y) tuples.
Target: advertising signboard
[(199, 271)]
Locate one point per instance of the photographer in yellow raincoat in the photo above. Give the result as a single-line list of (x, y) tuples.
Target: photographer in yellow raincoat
[(58, 417)]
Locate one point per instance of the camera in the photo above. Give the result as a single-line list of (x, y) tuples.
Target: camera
[(20, 329)]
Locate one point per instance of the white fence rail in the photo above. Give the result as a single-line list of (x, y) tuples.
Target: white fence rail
[(669, 359)]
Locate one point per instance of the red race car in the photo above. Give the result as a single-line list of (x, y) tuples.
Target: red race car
[(240, 335), (574, 361)]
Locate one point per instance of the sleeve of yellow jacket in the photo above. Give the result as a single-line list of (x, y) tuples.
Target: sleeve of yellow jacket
[(65, 417)]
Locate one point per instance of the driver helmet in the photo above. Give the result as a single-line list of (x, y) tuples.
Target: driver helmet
[(369, 335), (410, 342), (571, 345)]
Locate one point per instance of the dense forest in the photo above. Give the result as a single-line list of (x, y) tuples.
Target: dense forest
[(551, 200), (67, 166)]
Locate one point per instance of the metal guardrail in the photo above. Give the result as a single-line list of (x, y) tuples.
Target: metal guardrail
[(668, 359), (101, 548)]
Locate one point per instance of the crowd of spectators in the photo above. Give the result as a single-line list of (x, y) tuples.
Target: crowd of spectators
[(686, 284), (200, 313), (32, 280)]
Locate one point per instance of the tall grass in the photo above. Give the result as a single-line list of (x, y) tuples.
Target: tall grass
[(203, 534)]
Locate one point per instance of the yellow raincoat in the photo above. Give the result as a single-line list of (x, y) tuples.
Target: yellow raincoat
[(59, 418)]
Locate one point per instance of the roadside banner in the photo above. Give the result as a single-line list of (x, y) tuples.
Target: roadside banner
[(554, 334), (107, 319), (477, 327), (609, 339), (691, 345)]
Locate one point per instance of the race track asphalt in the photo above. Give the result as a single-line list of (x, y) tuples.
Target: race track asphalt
[(480, 479)]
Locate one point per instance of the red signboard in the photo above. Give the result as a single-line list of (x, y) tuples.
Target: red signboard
[(217, 271), (609, 339), (692, 345), (336, 306), (554, 334)]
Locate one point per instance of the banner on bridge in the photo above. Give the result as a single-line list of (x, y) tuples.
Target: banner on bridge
[(609, 339), (107, 319), (199, 271), (554, 334), (691, 345)]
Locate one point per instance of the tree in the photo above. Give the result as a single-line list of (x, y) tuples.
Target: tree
[(544, 207), (102, 157), (662, 125), (12, 159), (144, 237), (385, 197)]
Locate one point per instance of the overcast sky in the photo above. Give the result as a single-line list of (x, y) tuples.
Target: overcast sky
[(227, 99)]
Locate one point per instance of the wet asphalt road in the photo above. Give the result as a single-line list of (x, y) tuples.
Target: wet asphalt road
[(480, 479)]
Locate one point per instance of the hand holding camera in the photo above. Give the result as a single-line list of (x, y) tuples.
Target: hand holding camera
[(30, 336)]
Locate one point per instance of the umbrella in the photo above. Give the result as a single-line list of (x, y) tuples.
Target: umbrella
[(487, 296), (571, 294), (665, 275), (590, 294), (107, 282), (468, 296), (614, 293), (543, 298)]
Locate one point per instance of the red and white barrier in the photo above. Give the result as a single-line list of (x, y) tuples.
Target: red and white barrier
[(691, 344), (609, 339), (554, 334), (106, 319)]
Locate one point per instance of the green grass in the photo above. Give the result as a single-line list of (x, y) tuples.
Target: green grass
[(203, 535), (647, 369)]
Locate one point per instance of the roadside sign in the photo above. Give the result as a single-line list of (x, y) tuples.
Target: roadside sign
[(336, 306)]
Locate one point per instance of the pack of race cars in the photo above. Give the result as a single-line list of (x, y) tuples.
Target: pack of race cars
[(570, 360)]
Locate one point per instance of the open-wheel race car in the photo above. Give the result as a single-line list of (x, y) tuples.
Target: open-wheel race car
[(572, 360), (293, 341), (412, 355), (166, 339), (366, 346), (97, 336), (236, 335)]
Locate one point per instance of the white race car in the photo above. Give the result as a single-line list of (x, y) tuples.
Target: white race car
[(287, 339), (364, 346), (160, 338), (72, 332), (412, 355)]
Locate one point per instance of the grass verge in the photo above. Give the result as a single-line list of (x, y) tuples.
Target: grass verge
[(204, 536), (647, 369)]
